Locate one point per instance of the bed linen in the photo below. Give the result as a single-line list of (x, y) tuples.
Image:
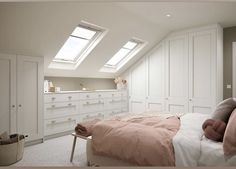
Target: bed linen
[(212, 154), (187, 141), (142, 140), (192, 148)]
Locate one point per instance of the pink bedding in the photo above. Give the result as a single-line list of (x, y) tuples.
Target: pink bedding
[(142, 140)]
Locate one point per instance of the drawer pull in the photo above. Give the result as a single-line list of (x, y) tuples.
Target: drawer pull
[(69, 119), (53, 121), (53, 98), (53, 106), (69, 104), (87, 96), (69, 97), (99, 95)]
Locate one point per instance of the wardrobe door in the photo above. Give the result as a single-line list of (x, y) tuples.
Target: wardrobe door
[(177, 74), (30, 96), (202, 73), (137, 88), (155, 100), (7, 93)]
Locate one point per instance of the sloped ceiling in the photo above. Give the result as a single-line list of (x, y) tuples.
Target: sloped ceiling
[(41, 28)]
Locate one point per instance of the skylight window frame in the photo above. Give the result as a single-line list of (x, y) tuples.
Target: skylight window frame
[(91, 42)]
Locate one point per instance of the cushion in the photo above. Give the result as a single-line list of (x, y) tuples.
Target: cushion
[(214, 129), (229, 141), (224, 109)]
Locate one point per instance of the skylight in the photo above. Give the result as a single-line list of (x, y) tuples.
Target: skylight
[(75, 44), (122, 53), (129, 50), (83, 39)]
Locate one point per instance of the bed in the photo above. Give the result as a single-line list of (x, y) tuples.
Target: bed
[(191, 148)]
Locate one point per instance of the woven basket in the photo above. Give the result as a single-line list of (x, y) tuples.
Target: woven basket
[(11, 153)]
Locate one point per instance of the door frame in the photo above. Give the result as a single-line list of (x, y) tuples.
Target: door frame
[(234, 69)]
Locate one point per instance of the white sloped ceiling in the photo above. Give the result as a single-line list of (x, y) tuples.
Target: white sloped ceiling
[(41, 28)]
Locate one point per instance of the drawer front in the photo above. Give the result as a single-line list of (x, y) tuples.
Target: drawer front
[(114, 112), (92, 95), (58, 125), (53, 98), (91, 105), (112, 94), (91, 116), (54, 110), (116, 103)]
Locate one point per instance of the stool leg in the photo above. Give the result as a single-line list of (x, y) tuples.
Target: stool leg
[(73, 149)]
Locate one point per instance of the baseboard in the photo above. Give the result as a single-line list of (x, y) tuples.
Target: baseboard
[(30, 143), (58, 135)]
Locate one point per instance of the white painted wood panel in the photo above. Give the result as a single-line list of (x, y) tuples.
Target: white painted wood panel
[(7, 93), (30, 96), (202, 74), (177, 74), (155, 100), (138, 87)]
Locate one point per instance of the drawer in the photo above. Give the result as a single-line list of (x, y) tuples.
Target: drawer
[(91, 105), (112, 94), (91, 116), (114, 112), (54, 110), (91, 95), (52, 98), (116, 103), (58, 125)]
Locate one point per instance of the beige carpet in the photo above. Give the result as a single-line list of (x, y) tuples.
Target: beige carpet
[(55, 152)]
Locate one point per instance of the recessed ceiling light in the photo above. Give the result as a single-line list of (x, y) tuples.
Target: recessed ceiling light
[(168, 15)]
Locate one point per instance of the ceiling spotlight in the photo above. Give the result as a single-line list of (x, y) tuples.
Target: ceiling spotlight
[(168, 15)]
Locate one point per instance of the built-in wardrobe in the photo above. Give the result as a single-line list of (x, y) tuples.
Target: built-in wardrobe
[(21, 95), (183, 73)]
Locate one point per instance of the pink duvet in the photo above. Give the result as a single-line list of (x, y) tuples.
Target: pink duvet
[(142, 140)]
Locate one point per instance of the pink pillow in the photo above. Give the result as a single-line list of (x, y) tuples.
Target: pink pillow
[(214, 129), (229, 141)]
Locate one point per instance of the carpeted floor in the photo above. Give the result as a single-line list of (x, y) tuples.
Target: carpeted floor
[(55, 152)]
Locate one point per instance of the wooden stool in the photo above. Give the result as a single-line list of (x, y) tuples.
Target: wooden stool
[(74, 143)]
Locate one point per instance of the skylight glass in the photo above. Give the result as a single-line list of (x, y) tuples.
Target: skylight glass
[(78, 41), (130, 45), (122, 53)]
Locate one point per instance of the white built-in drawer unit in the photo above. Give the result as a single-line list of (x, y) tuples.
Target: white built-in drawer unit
[(62, 111)]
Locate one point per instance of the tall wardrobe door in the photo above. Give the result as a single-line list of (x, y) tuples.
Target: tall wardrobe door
[(155, 100), (137, 88), (30, 96), (177, 74), (7, 93), (202, 73)]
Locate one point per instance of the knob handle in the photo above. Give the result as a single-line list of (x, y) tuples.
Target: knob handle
[(13, 106), (20, 105)]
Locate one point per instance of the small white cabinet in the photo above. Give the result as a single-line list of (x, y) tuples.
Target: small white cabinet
[(22, 95), (62, 111)]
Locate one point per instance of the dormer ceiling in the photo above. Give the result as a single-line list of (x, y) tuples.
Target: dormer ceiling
[(41, 28)]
